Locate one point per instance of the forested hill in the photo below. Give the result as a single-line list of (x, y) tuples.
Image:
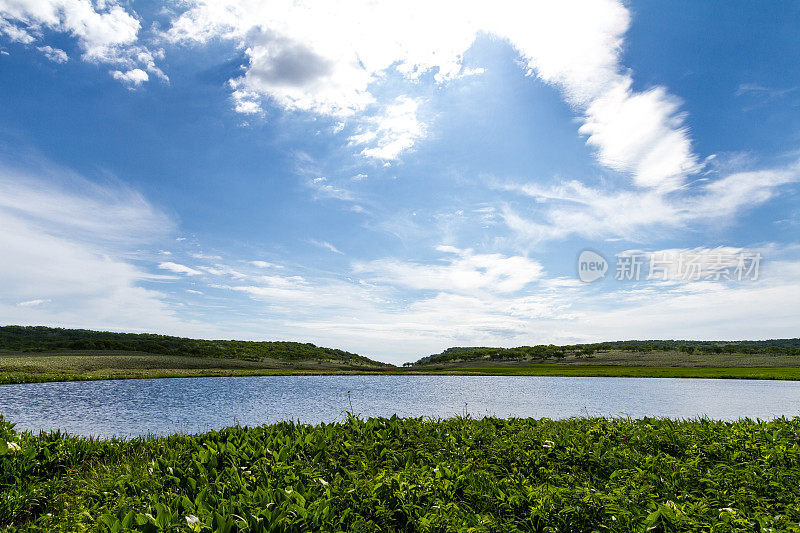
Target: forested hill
[(544, 352), (42, 339)]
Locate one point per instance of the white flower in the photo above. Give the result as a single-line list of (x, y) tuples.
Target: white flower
[(192, 520), (323, 482), (13, 447), (548, 444), (726, 510)]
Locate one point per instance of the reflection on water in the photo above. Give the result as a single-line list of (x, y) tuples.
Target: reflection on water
[(161, 406)]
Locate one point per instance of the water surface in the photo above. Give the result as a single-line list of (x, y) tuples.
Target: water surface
[(162, 406)]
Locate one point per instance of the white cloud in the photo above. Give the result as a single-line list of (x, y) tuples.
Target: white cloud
[(15, 33), (642, 133), (326, 58), (179, 269), (105, 31), (392, 132), (67, 244), (323, 189), (200, 255), (726, 196), (34, 303), (56, 55), (463, 271), (571, 208), (50, 199), (326, 245), (133, 77), (264, 264), (223, 270)]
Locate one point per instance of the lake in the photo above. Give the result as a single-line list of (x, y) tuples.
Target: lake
[(162, 406)]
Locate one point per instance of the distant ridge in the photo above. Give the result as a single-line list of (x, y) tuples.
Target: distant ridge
[(542, 351), (42, 338)]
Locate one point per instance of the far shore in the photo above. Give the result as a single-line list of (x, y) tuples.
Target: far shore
[(26, 367)]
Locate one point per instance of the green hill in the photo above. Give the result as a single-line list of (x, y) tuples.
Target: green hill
[(784, 347), (44, 339)]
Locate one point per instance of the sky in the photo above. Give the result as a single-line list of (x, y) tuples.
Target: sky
[(395, 178)]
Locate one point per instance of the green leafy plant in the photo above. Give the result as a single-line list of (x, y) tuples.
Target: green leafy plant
[(459, 474)]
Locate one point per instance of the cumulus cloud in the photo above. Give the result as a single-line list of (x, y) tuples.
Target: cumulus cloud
[(105, 31), (326, 58), (133, 77)]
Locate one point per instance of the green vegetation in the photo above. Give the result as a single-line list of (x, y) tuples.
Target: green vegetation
[(81, 365), (776, 347), (412, 475), (44, 339)]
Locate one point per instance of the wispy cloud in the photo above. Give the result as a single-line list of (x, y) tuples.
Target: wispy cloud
[(179, 269), (463, 271), (56, 55), (761, 90), (326, 245), (572, 208), (70, 242), (324, 189), (265, 264), (34, 303)]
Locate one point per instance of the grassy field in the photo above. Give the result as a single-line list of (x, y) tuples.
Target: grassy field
[(395, 474), (74, 365)]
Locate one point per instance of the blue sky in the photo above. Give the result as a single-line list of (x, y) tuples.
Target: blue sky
[(394, 180)]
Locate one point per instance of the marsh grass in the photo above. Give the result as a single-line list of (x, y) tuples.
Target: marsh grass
[(585, 474)]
